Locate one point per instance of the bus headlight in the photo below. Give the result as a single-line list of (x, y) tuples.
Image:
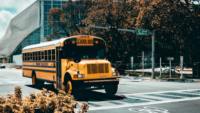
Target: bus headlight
[(114, 74), (81, 76)]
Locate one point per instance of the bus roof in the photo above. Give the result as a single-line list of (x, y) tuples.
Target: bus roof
[(45, 44), (52, 43)]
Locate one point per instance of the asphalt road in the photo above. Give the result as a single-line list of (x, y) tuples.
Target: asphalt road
[(133, 96)]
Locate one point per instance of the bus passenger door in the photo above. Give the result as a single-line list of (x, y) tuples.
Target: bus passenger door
[(58, 67)]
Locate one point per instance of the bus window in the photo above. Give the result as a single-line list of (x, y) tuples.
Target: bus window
[(39, 57), (45, 53), (36, 58), (28, 58), (49, 54), (53, 54), (23, 57), (42, 55), (31, 56)]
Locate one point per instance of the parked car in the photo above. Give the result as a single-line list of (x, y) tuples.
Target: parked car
[(2, 66)]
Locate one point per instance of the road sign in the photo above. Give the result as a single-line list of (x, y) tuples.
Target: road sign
[(170, 58), (3, 55), (142, 32)]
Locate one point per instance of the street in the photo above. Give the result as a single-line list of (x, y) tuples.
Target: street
[(133, 96)]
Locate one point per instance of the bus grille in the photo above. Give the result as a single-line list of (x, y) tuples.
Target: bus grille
[(97, 68)]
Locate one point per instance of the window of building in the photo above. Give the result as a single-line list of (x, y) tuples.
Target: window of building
[(49, 54), (46, 16), (46, 55), (64, 2), (56, 6), (47, 8), (53, 54), (56, 2), (47, 2)]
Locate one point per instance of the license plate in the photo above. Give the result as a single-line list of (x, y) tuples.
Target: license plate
[(84, 41)]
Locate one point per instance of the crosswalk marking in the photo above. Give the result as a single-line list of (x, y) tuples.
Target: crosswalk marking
[(145, 99)]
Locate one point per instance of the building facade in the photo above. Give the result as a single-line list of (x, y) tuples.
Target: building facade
[(28, 27)]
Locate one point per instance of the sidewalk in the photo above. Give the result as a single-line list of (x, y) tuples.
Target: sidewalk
[(140, 78)]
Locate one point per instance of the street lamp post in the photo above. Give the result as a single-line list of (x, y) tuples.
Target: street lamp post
[(153, 54)]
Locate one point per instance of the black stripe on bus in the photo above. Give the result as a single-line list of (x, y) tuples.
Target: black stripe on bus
[(41, 79), (39, 66), (39, 70), (46, 80), (40, 61)]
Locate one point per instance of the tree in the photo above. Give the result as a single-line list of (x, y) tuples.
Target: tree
[(63, 22), (176, 24), (120, 44)]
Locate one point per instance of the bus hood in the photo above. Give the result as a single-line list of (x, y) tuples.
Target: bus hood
[(93, 61)]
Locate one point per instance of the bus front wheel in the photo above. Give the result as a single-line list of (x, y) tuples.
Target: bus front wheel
[(111, 89), (70, 88)]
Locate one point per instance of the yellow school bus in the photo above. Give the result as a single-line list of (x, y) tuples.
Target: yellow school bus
[(71, 64)]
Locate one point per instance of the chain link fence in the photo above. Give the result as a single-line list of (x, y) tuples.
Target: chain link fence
[(190, 69)]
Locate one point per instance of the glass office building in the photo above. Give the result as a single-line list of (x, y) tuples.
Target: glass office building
[(28, 27)]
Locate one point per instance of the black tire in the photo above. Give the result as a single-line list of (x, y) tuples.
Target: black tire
[(111, 89), (70, 88)]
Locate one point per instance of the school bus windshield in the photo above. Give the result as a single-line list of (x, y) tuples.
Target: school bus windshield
[(84, 53)]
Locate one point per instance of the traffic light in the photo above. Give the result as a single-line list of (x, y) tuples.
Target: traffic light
[(82, 25), (113, 27)]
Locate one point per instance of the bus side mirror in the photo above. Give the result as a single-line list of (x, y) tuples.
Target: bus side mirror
[(77, 59)]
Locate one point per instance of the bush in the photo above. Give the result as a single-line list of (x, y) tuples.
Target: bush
[(45, 101)]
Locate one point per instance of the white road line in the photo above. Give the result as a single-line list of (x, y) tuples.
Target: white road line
[(141, 104), (159, 92)]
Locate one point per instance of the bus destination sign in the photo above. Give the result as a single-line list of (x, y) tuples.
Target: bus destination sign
[(84, 41)]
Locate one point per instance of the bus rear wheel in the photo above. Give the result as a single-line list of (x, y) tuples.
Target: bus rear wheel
[(111, 89), (37, 83)]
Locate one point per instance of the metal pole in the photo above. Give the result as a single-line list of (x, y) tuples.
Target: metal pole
[(160, 77), (143, 61), (170, 68), (181, 68), (197, 70), (153, 52), (131, 62)]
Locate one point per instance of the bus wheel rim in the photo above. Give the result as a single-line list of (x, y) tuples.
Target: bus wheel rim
[(69, 87)]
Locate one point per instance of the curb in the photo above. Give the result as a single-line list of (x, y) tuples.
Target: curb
[(161, 80), (135, 78), (175, 80)]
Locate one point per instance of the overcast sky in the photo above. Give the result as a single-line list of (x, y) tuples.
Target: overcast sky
[(10, 8)]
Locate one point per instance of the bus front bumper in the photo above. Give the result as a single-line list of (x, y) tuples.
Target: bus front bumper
[(99, 84)]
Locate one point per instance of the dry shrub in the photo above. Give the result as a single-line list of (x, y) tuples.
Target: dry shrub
[(46, 101)]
